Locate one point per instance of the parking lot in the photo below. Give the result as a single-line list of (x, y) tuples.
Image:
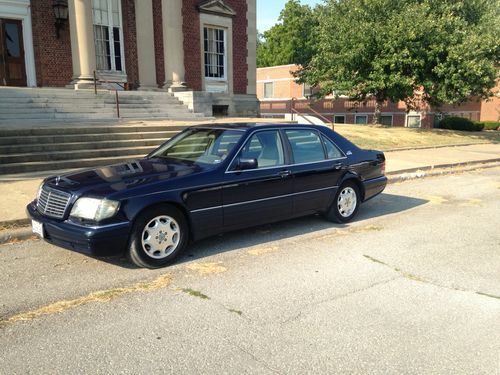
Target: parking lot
[(412, 286)]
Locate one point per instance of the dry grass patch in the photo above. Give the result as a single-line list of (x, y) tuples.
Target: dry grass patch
[(390, 138), (100, 296), (207, 268)]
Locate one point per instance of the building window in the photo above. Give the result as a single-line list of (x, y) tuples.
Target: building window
[(215, 52), (268, 90), (307, 90), (361, 119), (339, 119), (108, 35), (386, 120), (413, 121)]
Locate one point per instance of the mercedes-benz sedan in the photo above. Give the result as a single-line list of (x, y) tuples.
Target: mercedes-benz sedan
[(206, 180)]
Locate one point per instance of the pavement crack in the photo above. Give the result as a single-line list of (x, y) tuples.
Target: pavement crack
[(488, 295), (411, 276), (337, 297)]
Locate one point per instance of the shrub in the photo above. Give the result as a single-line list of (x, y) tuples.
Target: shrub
[(459, 123), (491, 125)]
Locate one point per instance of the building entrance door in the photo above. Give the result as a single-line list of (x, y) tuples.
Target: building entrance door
[(12, 65)]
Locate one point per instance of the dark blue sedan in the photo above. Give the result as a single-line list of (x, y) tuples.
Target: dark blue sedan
[(206, 180)]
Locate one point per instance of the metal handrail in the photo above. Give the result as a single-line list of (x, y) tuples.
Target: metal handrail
[(321, 117), (294, 111), (117, 99)]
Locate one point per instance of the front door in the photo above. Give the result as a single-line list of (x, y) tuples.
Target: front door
[(12, 67), (260, 195)]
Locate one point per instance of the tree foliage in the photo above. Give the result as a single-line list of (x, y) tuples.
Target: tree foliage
[(292, 40), (390, 49)]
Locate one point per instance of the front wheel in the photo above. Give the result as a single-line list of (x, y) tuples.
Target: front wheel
[(346, 203), (158, 236)]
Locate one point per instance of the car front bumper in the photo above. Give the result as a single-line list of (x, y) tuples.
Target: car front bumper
[(100, 240)]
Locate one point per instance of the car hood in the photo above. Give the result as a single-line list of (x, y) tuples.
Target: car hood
[(115, 178)]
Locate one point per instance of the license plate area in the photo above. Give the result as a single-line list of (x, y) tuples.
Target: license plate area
[(37, 228)]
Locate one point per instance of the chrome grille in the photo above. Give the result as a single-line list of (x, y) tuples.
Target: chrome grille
[(52, 202)]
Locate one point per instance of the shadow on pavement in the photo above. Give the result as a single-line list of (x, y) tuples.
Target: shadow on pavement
[(384, 204)]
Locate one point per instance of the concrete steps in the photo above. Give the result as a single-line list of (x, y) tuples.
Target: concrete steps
[(60, 104), (33, 151), (40, 166)]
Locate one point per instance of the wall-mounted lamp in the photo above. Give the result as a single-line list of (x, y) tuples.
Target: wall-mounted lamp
[(60, 13)]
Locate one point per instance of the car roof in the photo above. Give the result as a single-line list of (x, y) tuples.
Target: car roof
[(253, 125)]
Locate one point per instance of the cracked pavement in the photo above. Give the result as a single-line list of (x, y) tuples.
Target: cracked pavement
[(412, 286)]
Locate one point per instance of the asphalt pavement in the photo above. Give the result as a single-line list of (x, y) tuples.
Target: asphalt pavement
[(412, 286)]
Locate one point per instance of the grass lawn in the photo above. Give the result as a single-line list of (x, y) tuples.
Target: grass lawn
[(389, 138)]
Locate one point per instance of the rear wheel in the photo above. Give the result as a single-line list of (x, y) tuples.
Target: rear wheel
[(346, 203), (159, 235)]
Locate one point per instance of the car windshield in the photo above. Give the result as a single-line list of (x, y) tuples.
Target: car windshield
[(205, 146)]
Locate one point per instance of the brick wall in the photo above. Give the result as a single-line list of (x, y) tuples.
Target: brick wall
[(284, 85), (52, 56), (192, 48), (490, 109), (240, 39), (130, 43), (158, 38)]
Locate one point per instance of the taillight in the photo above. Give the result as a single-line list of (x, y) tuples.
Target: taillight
[(382, 167)]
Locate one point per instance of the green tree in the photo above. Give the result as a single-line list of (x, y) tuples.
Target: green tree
[(446, 50), (292, 40)]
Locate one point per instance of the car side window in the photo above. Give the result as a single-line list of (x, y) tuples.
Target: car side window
[(332, 151), (266, 147), (306, 146)]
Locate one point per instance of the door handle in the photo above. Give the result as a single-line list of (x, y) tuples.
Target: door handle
[(338, 166), (284, 173)]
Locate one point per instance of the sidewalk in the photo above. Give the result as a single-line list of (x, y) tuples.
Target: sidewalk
[(14, 196)]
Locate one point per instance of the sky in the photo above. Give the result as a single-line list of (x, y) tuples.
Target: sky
[(268, 12)]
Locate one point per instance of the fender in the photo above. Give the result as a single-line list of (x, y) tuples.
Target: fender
[(353, 175), (133, 206)]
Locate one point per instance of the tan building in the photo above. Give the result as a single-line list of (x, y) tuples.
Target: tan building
[(204, 51), (276, 87)]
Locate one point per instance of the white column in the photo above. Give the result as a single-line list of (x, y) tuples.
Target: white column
[(252, 47), (82, 42), (145, 44), (173, 45)]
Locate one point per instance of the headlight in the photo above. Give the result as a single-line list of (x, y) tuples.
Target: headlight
[(94, 209)]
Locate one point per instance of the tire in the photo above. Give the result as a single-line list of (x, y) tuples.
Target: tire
[(345, 204), (158, 236)]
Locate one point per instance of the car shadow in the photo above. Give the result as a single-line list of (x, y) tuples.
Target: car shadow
[(382, 205)]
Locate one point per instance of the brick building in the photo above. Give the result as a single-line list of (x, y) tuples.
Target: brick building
[(203, 51), (276, 86)]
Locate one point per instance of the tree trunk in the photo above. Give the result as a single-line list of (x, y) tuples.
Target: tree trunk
[(376, 113)]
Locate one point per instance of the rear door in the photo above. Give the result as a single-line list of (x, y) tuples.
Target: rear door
[(317, 166), (260, 195)]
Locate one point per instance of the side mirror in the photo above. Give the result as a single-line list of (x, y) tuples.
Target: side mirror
[(244, 164)]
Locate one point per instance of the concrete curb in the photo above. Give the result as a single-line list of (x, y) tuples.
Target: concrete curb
[(23, 232), (437, 146), (438, 170)]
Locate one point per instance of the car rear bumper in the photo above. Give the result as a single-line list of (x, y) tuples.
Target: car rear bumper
[(374, 186), (109, 239)]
